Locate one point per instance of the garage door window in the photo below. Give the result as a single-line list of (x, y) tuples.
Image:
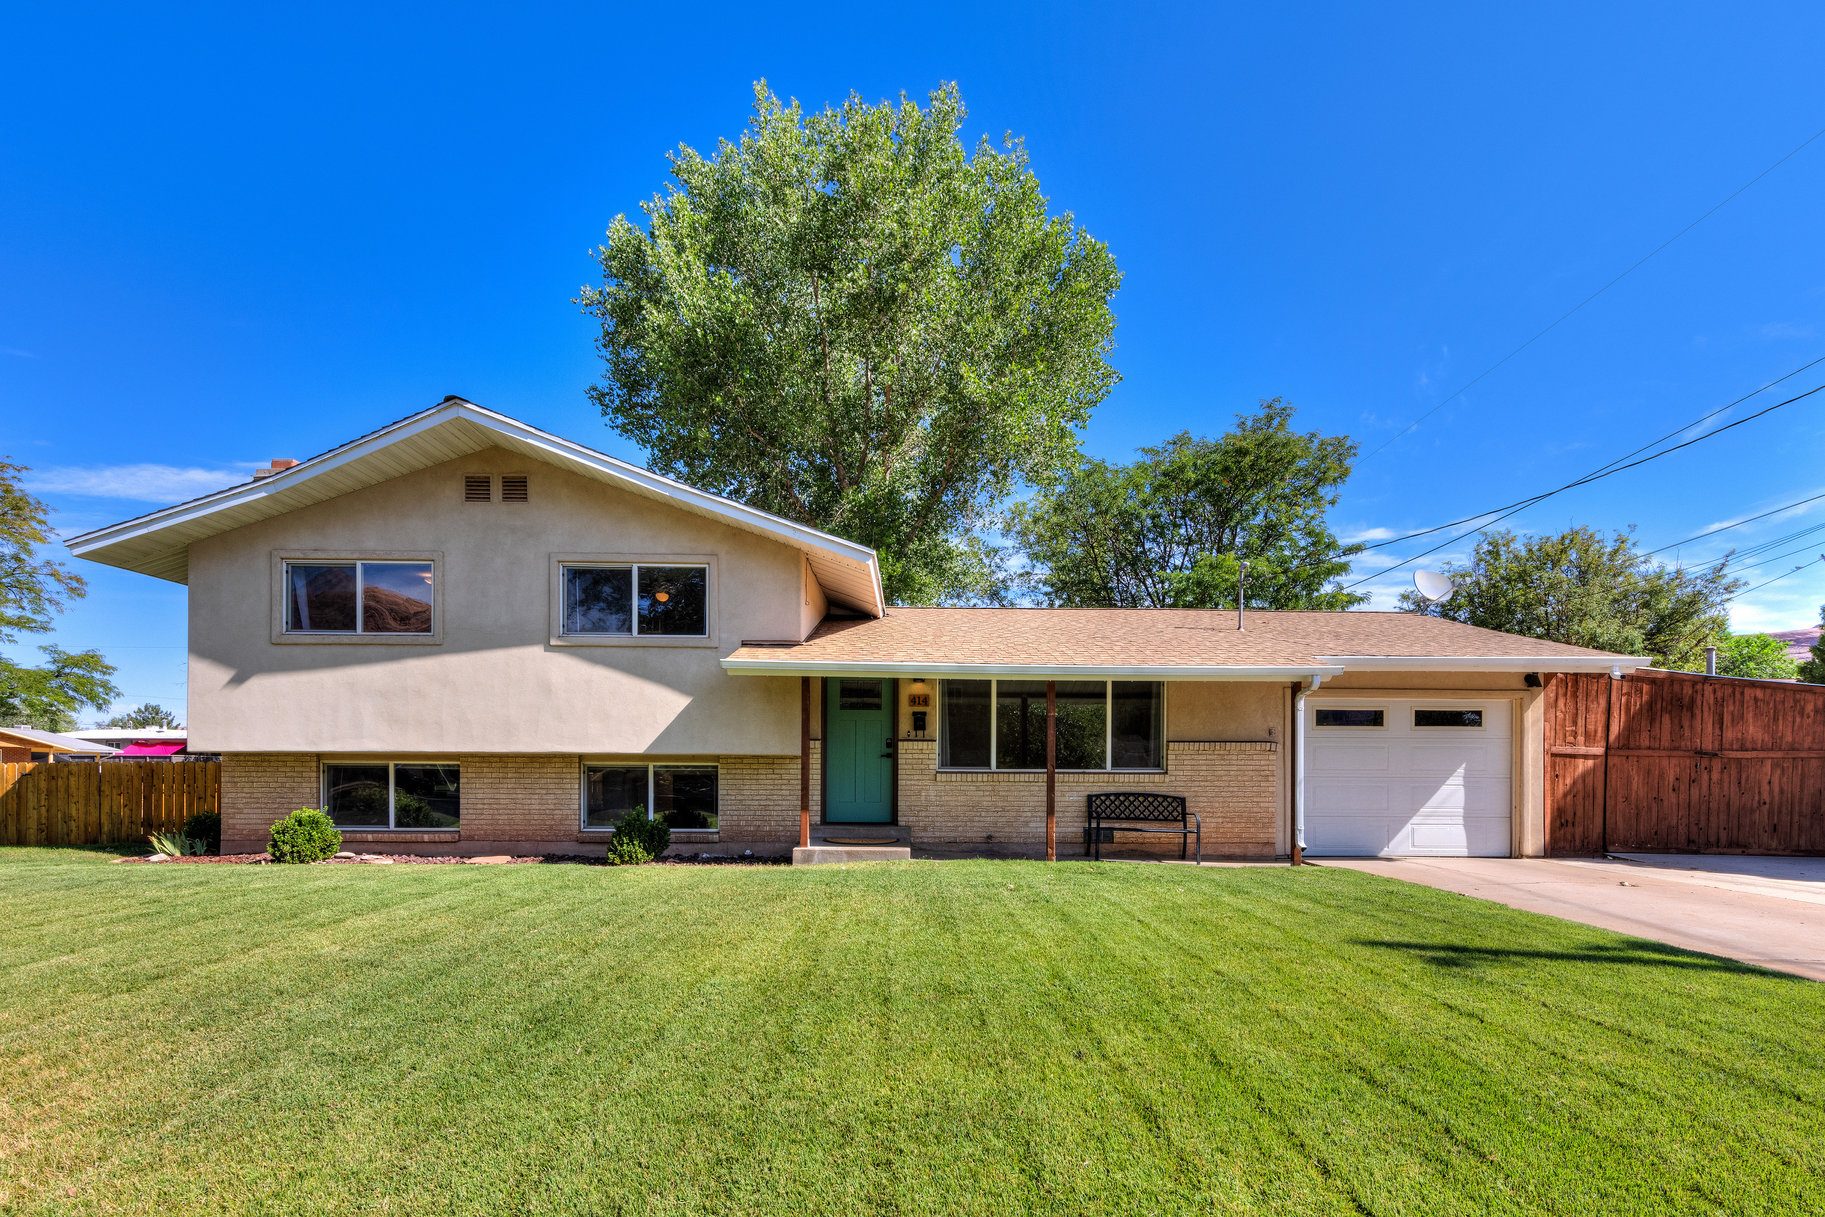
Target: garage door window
[(1447, 718), (1351, 718)]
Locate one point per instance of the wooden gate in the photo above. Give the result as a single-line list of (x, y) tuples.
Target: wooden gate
[(1683, 763), (97, 802)]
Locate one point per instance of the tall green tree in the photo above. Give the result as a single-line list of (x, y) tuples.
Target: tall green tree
[(32, 591), (852, 320), (144, 716), (1812, 671), (1590, 590), (1171, 529), (1758, 656)]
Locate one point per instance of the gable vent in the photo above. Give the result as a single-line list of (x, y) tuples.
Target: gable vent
[(478, 488), (513, 488)]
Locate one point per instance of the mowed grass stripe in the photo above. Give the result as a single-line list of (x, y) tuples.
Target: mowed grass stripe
[(956, 1037)]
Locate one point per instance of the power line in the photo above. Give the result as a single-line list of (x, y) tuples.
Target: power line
[(1738, 524), (1470, 384), (1796, 570), (1607, 471)]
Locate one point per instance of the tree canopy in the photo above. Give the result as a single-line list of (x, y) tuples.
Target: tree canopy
[(144, 716), (32, 591), (1171, 529), (1590, 590), (851, 320), (1812, 671), (1759, 656)]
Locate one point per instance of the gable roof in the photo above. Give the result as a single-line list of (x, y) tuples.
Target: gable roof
[(158, 543), (1181, 643)]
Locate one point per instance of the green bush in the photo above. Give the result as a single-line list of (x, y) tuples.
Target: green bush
[(638, 839), (626, 851), (205, 826), (306, 835)]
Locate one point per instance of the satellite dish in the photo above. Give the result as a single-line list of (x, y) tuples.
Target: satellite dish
[(1432, 586)]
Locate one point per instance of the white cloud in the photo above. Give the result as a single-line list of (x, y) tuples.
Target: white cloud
[(1367, 534), (140, 483)]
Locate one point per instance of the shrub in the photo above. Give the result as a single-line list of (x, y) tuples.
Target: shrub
[(177, 844), (638, 839), (306, 835), (205, 826), (626, 851)]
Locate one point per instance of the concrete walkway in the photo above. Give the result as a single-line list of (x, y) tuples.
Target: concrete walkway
[(1764, 911)]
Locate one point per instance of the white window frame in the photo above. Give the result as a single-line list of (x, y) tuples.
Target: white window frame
[(323, 792), (284, 560), (994, 765), (563, 562), (583, 824)]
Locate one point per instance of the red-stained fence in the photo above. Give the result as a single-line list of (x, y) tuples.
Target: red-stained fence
[(1676, 762)]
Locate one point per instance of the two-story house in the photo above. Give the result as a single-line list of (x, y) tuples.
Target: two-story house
[(464, 634)]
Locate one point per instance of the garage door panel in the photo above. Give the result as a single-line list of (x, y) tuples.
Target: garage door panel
[(1411, 791), (1351, 757)]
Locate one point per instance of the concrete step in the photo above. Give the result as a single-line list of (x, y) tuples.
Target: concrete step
[(837, 843)]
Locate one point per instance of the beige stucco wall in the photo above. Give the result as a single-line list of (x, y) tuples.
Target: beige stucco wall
[(495, 683)]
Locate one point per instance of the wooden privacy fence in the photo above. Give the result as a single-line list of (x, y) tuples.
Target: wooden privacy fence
[(1683, 763), (101, 801)]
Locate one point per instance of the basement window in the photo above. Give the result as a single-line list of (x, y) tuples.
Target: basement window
[(684, 796), (387, 794), (358, 597)]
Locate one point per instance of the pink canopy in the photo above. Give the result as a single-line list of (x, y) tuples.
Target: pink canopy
[(163, 747)]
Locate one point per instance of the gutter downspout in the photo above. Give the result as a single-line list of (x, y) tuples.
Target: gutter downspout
[(1299, 769)]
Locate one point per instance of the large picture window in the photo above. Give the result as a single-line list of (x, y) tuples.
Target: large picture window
[(684, 796), (393, 794), (359, 597), (1001, 724), (636, 600)]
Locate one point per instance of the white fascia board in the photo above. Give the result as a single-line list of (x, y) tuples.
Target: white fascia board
[(983, 671), (1487, 663), (559, 448)]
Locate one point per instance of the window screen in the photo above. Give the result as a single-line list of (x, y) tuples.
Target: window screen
[(965, 725), (1351, 718), (1447, 718)]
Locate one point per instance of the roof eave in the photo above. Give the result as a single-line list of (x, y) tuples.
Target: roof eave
[(1488, 663), (979, 671)]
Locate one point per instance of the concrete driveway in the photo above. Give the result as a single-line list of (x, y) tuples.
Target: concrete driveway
[(1765, 911)]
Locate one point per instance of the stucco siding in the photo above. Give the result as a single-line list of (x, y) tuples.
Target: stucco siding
[(495, 682)]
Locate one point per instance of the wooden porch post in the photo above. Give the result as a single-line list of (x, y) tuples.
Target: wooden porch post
[(1051, 771), (804, 761)]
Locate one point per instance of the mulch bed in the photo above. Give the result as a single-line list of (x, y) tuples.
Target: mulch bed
[(354, 859)]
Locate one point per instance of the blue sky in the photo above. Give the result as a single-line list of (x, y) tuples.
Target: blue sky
[(244, 233)]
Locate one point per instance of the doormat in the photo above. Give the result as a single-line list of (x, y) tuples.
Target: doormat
[(861, 840)]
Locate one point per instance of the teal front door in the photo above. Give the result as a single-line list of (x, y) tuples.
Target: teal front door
[(858, 731)]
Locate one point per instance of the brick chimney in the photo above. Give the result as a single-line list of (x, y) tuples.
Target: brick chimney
[(279, 465)]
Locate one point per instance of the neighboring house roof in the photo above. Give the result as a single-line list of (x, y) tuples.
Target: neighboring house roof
[(114, 735), (1799, 642), (1160, 642), (158, 543), (49, 741)]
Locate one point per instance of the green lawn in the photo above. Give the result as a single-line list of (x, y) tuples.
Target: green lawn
[(922, 1037)]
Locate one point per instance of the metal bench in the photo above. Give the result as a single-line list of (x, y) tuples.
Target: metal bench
[(1140, 811)]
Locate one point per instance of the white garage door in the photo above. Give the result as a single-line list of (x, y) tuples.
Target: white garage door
[(1408, 778)]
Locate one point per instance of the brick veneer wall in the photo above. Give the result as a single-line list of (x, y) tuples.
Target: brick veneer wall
[(1232, 786), (259, 789), (529, 803)]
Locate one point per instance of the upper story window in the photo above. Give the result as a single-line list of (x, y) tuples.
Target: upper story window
[(1102, 724), (636, 600), (386, 597)]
